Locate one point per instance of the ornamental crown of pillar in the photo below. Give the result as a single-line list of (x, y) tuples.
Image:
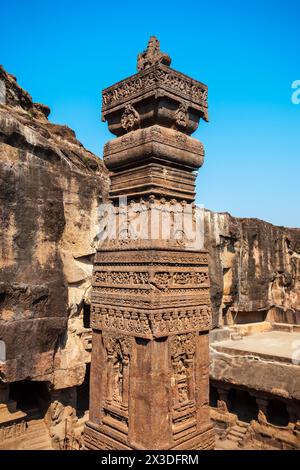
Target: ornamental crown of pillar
[(153, 114)]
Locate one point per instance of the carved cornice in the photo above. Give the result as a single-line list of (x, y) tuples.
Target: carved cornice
[(159, 80)]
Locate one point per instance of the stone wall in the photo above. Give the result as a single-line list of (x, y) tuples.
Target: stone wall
[(254, 270)]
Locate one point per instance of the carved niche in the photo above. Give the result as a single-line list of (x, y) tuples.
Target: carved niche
[(118, 349), (182, 350)]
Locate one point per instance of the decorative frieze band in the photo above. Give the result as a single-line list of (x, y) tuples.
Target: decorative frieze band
[(151, 324), (153, 257), (12, 431), (162, 280), (137, 299)]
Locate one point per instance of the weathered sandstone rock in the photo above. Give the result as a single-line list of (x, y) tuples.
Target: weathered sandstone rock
[(51, 187)]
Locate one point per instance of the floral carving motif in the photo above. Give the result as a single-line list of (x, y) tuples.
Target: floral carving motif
[(130, 118), (187, 88), (152, 55), (201, 277), (162, 280), (183, 278)]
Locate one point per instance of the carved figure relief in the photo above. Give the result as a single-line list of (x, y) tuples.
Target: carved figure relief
[(118, 350), (117, 389), (130, 118), (182, 115), (183, 380), (181, 372)]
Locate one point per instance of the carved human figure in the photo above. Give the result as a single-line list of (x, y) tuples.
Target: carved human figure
[(182, 393), (117, 392), (181, 380)]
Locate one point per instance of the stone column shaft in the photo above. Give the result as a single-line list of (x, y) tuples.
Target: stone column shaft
[(150, 302)]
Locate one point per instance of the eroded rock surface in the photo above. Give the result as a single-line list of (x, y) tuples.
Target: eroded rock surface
[(51, 187), (254, 270)]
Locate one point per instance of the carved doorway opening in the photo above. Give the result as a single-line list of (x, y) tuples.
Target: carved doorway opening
[(243, 405), (30, 396), (277, 413)]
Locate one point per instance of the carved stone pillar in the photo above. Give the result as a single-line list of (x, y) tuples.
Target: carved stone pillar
[(150, 302)]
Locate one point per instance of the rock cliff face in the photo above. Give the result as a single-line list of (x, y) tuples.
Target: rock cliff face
[(254, 270), (50, 189)]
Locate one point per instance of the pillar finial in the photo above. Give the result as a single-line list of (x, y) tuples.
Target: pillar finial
[(152, 55)]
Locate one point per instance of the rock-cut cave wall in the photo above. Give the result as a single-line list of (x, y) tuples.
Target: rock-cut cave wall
[(254, 270), (50, 189)]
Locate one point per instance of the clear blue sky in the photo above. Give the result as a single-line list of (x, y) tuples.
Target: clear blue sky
[(65, 52)]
